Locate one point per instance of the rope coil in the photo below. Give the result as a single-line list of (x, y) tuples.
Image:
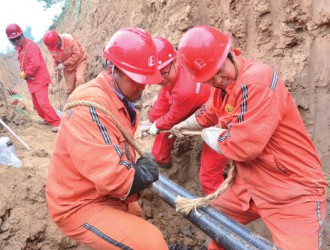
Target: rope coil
[(185, 205)]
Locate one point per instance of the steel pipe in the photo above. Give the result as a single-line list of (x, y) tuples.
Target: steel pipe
[(248, 235), (208, 225)]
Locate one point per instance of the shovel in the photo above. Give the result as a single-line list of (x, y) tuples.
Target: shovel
[(14, 134)]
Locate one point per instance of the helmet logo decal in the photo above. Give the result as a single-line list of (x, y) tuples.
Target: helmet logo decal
[(151, 61), (199, 63)]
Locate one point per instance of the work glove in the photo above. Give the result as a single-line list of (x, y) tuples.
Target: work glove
[(60, 67), (189, 124), (210, 137), (153, 129), (146, 172), (22, 75), (145, 127)]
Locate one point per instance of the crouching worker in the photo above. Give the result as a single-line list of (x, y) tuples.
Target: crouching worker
[(279, 175), (178, 98), (69, 56), (94, 179)]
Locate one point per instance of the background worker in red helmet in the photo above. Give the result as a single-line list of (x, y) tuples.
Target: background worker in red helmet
[(94, 179), (279, 175), (68, 56), (34, 71), (178, 98)]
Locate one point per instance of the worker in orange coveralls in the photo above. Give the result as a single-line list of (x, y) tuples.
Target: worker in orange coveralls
[(279, 175), (34, 71), (178, 98), (68, 56), (94, 179)]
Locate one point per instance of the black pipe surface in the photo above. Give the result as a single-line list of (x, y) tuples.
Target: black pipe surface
[(239, 229), (208, 225)]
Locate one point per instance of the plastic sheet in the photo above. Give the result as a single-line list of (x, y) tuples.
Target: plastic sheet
[(8, 154)]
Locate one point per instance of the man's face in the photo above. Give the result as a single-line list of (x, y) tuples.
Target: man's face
[(18, 41), (130, 89), (168, 73), (223, 77)]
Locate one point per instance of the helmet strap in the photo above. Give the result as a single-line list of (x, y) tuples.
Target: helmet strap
[(59, 42), (232, 59), (106, 66), (118, 90)]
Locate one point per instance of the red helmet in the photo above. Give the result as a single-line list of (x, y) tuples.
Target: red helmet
[(133, 52), (50, 40), (13, 31), (203, 50), (165, 50)]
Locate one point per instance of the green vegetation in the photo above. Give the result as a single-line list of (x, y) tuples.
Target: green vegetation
[(28, 33), (49, 3)]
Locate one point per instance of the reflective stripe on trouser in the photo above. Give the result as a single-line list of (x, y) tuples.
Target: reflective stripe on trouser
[(75, 78), (112, 228), (212, 166), (161, 150), (43, 107), (297, 227)]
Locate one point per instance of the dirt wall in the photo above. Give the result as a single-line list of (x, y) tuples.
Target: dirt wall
[(291, 35)]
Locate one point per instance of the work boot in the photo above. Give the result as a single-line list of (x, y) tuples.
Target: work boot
[(42, 122), (165, 165), (55, 129)]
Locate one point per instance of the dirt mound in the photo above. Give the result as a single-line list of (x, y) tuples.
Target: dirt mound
[(15, 116)]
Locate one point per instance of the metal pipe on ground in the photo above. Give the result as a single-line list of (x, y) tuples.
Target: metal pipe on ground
[(203, 221), (248, 235)]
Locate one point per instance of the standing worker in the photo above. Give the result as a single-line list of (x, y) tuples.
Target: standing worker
[(179, 97), (279, 175), (68, 56), (34, 71), (94, 179)]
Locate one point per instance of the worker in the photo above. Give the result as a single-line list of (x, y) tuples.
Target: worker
[(68, 56), (34, 71), (94, 180), (178, 98), (254, 121)]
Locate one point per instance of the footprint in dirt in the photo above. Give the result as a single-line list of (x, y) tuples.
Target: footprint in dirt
[(40, 153)]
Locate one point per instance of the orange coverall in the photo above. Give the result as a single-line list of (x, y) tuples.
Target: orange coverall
[(279, 176), (90, 175), (174, 104), (38, 79), (74, 57)]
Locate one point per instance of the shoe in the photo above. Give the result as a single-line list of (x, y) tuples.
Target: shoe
[(55, 129), (42, 122), (164, 165)]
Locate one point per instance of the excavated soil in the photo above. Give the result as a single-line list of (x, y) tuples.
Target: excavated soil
[(291, 35)]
